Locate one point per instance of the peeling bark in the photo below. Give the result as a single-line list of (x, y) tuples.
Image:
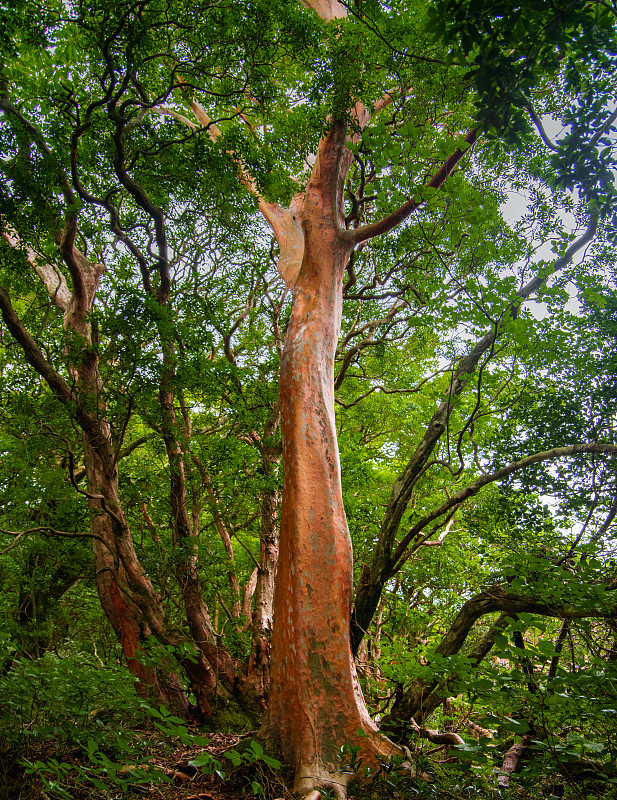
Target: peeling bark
[(316, 703), (125, 591)]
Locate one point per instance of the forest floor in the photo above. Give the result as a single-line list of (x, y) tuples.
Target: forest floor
[(182, 780), (160, 768), (190, 783)]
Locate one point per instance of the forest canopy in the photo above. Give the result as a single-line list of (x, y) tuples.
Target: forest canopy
[(307, 380)]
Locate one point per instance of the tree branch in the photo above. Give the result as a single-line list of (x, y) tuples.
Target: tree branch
[(39, 140), (285, 222), (327, 10), (474, 487), (53, 280), (400, 215), (32, 351), (48, 532), (403, 487)]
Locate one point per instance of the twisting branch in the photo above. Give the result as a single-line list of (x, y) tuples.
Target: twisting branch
[(39, 140), (53, 280), (32, 351), (385, 390), (60, 388), (467, 365), (48, 532), (98, 497), (422, 699), (142, 199)]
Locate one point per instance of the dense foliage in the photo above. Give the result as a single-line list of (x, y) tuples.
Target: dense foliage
[(143, 325)]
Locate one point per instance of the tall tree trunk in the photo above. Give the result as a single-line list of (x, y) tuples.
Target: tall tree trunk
[(316, 704), (130, 626), (127, 596), (125, 591)]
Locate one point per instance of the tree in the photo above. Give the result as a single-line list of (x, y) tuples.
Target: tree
[(139, 145)]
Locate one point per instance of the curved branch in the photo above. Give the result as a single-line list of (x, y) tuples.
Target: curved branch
[(369, 590), (39, 140), (47, 531), (400, 215), (405, 483), (422, 699), (32, 351), (498, 599), (385, 390), (39, 363), (53, 280), (474, 487), (540, 128), (142, 199)]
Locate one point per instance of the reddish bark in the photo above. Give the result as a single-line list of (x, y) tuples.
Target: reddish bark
[(124, 620), (118, 572), (316, 703), (130, 601)]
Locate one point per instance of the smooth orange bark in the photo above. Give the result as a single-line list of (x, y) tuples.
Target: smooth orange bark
[(316, 705)]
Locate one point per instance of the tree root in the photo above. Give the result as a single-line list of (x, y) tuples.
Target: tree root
[(340, 792), (312, 780)]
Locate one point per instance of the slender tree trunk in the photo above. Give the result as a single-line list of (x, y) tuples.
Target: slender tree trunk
[(133, 607), (221, 527), (131, 629), (184, 538), (125, 591), (257, 682), (126, 594)]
